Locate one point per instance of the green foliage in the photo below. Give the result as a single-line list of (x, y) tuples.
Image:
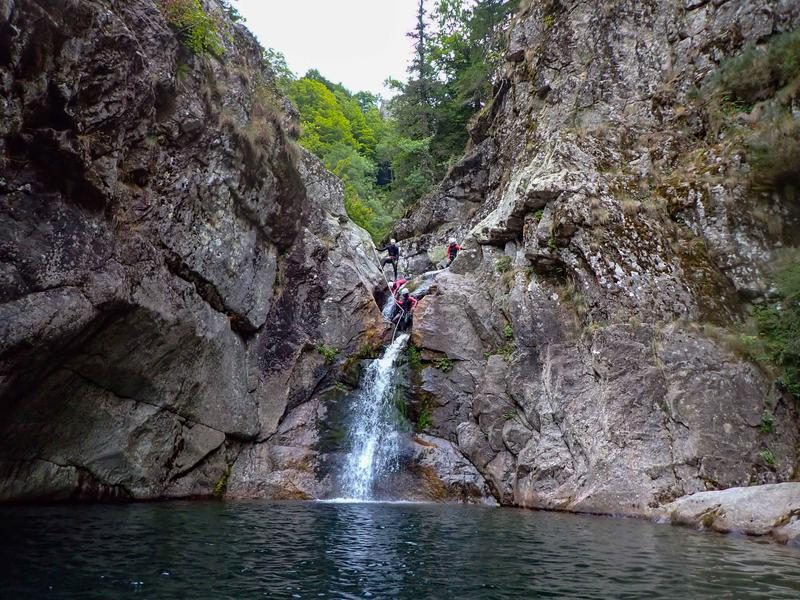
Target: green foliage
[(231, 11), (198, 30), (445, 365), (777, 342), (283, 74), (328, 352), (508, 331), (457, 51), (774, 149), (506, 351), (757, 73), (767, 422), (768, 457), (509, 415), (414, 358), (503, 264), (762, 81), (349, 134)]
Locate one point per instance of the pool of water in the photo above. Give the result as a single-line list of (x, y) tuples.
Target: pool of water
[(343, 550)]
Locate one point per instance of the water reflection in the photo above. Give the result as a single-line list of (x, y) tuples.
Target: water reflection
[(317, 550)]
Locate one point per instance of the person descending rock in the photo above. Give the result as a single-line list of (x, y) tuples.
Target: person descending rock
[(452, 251), (393, 257), (403, 317), (398, 283)]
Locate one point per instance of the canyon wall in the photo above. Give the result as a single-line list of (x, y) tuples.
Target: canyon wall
[(576, 351), (170, 260)]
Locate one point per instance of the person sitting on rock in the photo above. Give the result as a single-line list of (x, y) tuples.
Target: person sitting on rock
[(393, 257), (452, 251), (403, 317), (398, 283)]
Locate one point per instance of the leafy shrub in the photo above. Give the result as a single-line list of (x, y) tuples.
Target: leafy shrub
[(328, 352), (198, 30)]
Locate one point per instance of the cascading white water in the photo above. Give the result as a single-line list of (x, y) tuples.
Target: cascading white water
[(373, 434), (388, 308)]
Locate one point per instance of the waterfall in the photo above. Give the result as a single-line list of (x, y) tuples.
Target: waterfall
[(388, 307), (374, 440)]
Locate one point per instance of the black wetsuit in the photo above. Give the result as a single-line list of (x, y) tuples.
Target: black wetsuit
[(393, 258), (403, 316)]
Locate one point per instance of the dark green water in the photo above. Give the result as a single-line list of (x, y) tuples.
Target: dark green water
[(313, 550)]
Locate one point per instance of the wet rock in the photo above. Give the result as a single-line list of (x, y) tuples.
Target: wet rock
[(759, 510), (598, 255), (439, 472), (169, 260)]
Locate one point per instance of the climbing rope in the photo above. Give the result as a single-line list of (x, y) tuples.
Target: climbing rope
[(391, 293)]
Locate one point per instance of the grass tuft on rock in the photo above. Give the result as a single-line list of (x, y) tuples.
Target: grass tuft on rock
[(328, 352), (758, 72), (198, 30)]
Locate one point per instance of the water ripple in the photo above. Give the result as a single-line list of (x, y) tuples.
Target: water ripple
[(372, 550)]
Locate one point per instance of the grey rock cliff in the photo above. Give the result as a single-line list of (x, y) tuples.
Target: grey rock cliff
[(169, 258), (585, 373)]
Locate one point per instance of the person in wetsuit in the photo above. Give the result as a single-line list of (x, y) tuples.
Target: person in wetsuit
[(452, 251), (393, 257), (398, 283), (403, 317)]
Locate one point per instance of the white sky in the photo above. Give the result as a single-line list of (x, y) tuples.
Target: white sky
[(358, 43)]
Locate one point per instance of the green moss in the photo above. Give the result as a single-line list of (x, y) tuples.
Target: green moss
[(198, 30), (508, 332), (222, 484), (425, 419), (414, 358)]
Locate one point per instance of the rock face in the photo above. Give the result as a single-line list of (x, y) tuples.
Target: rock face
[(581, 327), (766, 509), (169, 261)]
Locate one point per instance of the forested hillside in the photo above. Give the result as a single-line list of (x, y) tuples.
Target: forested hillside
[(389, 153)]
